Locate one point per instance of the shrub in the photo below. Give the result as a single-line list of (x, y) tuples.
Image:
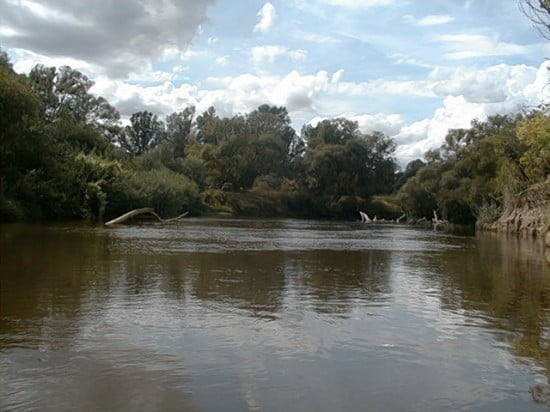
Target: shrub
[(488, 213), (169, 193)]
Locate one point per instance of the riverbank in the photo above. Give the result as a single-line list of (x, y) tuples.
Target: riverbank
[(527, 216)]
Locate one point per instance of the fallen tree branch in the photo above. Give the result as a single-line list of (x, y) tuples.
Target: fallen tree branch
[(174, 218), (145, 210)]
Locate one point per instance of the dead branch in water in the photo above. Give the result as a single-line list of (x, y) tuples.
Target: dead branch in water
[(145, 210)]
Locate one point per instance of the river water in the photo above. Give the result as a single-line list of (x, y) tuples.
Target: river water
[(277, 315)]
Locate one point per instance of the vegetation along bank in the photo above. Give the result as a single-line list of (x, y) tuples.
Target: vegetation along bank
[(65, 154)]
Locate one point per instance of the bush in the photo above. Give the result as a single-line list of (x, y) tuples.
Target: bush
[(384, 207), (10, 210), (488, 213), (167, 192), (217, 201), (266, 183)]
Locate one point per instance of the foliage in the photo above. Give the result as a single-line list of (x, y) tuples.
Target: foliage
[(534, 132), (169, 193), (146, 131), (384, 207), (478, 171), (65, 93), (178, 130), (341, 163), (216, 200)]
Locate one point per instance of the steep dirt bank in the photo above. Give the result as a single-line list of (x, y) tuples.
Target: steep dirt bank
[(526, 216)]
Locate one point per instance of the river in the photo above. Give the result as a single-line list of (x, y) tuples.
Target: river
[(276, 315)]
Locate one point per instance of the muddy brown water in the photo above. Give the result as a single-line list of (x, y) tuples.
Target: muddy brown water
[(277, 315)]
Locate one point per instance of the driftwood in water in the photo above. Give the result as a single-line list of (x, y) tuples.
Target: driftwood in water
[(145, 210), (364, 217)]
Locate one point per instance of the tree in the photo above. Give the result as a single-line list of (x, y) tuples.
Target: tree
[(275, 143), (411, 170), (334, 131), (65, 92), (5, 61), (418, 194), (534, 132), (341, 162), (145, 132), (18, 111), (178, 128)]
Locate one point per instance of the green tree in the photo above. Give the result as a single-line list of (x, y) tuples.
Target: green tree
[(534, 132), (5, 62), (335, 131), (411, 170), (341, 164), (145, 132), (66, 92), (178, 130)]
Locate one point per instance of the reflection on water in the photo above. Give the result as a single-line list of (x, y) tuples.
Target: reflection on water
[(271, 315)]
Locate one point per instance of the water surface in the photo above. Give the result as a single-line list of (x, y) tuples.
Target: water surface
[(278, 315)]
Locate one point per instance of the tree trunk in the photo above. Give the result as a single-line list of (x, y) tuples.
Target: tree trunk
[(145, 210)]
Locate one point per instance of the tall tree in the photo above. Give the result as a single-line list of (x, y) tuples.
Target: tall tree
[(5, 61), (340, 161), (145, 132), (178, 129), (334, 131), (66, 93), (275, 141)]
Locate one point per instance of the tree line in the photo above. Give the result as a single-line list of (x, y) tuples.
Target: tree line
[(66, 155)]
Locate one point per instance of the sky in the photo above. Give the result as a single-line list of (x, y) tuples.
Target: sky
[(411, 69)]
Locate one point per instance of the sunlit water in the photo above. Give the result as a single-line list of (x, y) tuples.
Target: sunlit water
[(278, 315)]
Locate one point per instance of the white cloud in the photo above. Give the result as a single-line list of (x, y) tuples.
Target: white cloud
[(158, 76), (267, 15), (298, 54), (316, 37), (518, 87), (432, 20), (191, 54), (415, 139), (492, 85), (467, 93), (357, 4), (269, 53), (465, 46), (389, 124), (384, 87), (337, 76), (25, 60), (295, 91), (401, 58), (223, 60), (230, 95), (435, 20)]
